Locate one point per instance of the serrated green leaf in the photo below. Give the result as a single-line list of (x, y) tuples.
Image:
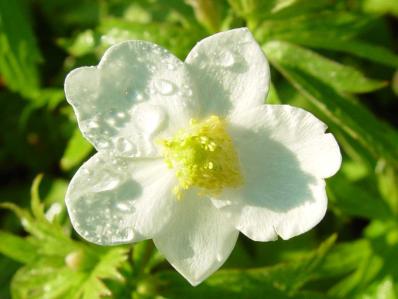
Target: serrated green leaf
[(106, 268), (77, 150), (19, 54), (53, 278), (35, 202), (43, 279), (60, 267), (339, 76)]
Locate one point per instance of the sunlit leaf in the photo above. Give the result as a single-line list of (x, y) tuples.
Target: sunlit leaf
[(339, 76), (76, 151), (19, 54)]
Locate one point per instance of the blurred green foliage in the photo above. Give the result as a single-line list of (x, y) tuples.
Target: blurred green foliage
[(334, 58)]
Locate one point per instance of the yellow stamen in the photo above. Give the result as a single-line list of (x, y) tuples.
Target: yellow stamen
[(203, 156)]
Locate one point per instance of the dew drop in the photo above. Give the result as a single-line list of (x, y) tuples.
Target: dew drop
[(111, 121), (194, 55), (152, 68), (149, 118), (103, 145), (93, 124), (124, 207), (108, 182), (171, 67), (164, 87), (227, 59), (121, 115), (139, 97), (187, 90), (125, 147)]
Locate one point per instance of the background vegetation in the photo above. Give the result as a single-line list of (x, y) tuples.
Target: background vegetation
[(332, 57)]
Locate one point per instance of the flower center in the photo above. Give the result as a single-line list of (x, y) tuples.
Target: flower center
[(204, 157)]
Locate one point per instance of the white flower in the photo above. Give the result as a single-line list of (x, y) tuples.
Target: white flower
[(189, 156)]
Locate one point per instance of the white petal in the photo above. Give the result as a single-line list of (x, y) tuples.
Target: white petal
[(198, 239), (284, 156), (230, 70), (130, 98), (120, 200)]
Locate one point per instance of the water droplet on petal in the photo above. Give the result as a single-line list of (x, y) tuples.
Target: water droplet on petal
[(93, 124), (164, 87), (125, 147), (123, 206), (152, 68), (149, 118), (194, 55), (111, 121), (102, 145), (139, 97), (227, 59), (171, 67), (108, 181), (121, 115)]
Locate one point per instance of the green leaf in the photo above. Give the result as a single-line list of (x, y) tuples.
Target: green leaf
[(53, 278), (207, 12), (321, 25), (344, 258), (375, 261), (177, 39), (36, 205), (358, 48), (280, 281), (383, 289), (346, 196), (344, 113), (77, 150), (106, 268), (19, 54), (273, 97), (42, 279), (57, 266), (286, 9), (388, 184), (17, 248), (381, 6), (339, 76)]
